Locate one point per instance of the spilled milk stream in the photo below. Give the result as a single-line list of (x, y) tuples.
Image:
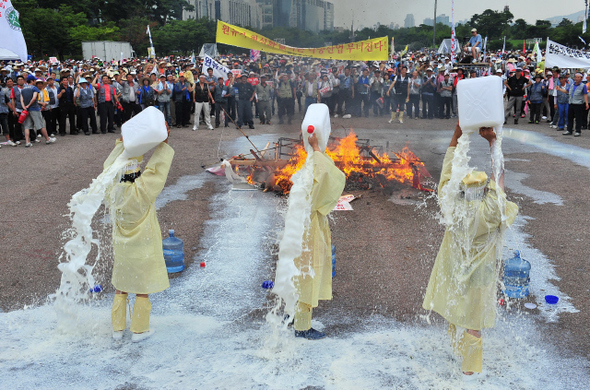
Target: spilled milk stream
[(211, 333)]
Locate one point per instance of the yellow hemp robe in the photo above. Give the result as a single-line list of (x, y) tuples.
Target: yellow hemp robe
[(462, 286), (315, 283), (137, 240)]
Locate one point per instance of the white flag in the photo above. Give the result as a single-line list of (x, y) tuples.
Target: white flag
[(537, 51), (11, 33)]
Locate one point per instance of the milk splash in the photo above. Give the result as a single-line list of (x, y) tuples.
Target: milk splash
[(77, 278), (291, 247)]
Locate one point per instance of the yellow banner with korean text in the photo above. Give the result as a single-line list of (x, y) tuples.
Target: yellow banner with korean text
[(370, 50)]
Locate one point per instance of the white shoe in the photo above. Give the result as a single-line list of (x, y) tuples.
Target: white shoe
[(51, 140), (17, 143), (28, 145), (335, 115), (38, 135), (211, 128), (137, 337), (347, 116), (117, 334), (195, 128), (543, 117), (37, 140), (10, 143)]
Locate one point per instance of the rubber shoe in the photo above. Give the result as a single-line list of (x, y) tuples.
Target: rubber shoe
[(28, 145), (117, 335), (577, 134), (51, 140), (38, 135), (195, 128), (137, 337), (37, 140), (566, 133), (310, 334), (10, 143)]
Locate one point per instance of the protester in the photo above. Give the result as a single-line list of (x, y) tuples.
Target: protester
[(246, 95), (164, 91), (462, 286), (139, 266), (34, 120), (578, 101), (221, 94), (285, 91), (328, 183), (67, 109), (203, 100), (87, 108), (263, 100), (182, 91), (129, 98)]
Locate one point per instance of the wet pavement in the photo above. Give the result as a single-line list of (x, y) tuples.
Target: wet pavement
[(385, 250)]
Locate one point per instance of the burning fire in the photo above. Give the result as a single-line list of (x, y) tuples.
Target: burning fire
[(348, 157)]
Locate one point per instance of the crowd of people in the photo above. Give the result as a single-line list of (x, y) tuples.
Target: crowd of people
[(66, 97)]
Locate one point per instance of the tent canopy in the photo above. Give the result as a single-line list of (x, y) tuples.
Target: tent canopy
[(7, 55), (445, 47), (210, 49)]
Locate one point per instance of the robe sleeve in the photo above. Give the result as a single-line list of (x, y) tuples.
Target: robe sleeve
[(445, 174), (153, 178), (328, 184), (114, 154)]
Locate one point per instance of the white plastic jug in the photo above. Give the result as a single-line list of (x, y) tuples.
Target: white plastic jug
[(317, 116), (143, 132), (480, 103)]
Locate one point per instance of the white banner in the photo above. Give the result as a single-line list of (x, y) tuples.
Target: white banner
[(564, 57), (218, 69), (10, 31)]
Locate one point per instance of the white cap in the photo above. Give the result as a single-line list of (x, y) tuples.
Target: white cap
[(473, 30)]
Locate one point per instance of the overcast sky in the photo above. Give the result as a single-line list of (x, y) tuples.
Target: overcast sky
[(368, 13)]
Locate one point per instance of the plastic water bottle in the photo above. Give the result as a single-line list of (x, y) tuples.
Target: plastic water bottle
[(333, 261), (516, 276), (173, 253)]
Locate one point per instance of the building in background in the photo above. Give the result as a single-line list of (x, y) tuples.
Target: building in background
[(444, 19), (247, 13), (409, 21), (311, 15), (266, 13)]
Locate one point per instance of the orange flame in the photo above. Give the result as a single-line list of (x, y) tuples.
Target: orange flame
[(348, 157)]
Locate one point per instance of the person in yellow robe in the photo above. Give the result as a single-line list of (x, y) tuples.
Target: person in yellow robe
[(139, 266), (462, 286), (315, 265)]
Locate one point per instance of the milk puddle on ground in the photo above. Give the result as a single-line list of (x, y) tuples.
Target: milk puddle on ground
[(210, 332)]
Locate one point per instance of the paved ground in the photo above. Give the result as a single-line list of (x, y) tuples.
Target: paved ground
[(385, 249)]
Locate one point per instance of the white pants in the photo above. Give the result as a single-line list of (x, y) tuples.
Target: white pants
[(206, 108)]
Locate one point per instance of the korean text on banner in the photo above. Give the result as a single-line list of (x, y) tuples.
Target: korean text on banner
[(564, 57), (219, 70), (10, 31), (370, 50)]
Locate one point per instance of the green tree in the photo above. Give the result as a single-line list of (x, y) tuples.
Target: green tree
[(491, 23)]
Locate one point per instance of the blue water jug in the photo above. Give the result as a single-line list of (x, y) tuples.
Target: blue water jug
[(173, 253), (333, 261), (516, 276)]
